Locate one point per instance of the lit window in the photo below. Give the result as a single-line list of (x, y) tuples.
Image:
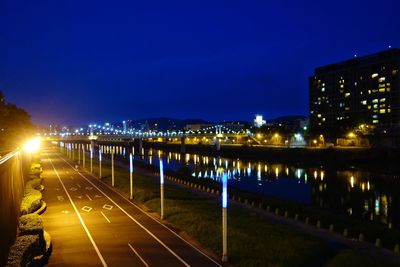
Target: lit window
[(374, 116), (323, 89), (323, 119), (369, 106), (382, 111), (381, 79), (375, 121), (369, 91), (319, 115), (374, 75), (364, 102), (347, 94), (381, 90), (394, 72), (375, 100), (382, 100), (375, 106), (389, 110)]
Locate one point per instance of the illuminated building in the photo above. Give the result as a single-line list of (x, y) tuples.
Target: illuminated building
[(361, 90)]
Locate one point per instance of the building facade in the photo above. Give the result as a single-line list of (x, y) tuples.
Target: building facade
[(360, 91)]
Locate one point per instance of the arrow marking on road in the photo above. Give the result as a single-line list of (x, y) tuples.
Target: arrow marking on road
[(73, 189)]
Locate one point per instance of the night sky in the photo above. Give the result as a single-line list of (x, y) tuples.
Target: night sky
[(75, 62)]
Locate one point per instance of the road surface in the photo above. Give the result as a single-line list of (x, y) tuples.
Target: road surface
[(93, 225)]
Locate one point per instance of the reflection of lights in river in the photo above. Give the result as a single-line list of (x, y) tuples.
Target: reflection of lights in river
[(322, 174), (276, 172), (352, 181)]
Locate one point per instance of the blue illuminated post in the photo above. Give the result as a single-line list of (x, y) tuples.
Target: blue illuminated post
[(91, 159), (79, 153), (112, 166), (131, 175), (224, 217), (73, 151), (162, 188), (100, 158)]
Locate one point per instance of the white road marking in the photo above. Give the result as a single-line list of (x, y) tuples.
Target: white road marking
[(133, 219), (80, 218), (60, 198), (79, 197), (105, 217), (107, 207), (86, 208), (65, 211), (89, 197), (88, 188), (137, 254), (73, 189), (78, 185), (97, 196)]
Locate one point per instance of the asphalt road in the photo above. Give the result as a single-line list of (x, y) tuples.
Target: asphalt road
[(93, 225)]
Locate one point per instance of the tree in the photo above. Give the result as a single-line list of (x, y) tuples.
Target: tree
[(15, 125)]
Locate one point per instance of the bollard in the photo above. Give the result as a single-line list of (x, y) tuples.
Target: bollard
[(268, 208), (286, 214), (361, 237), (331, 228), (378, 243), (239, 199), (318, 224), (260, 205), (233, 197), (252, 204), (277, 211), (246, 201), (296, 217), (345, 232), (307, 220)]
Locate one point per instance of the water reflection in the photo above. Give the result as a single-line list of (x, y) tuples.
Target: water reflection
[(349, 191)]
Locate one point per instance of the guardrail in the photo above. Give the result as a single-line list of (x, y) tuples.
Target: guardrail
[(11, 193)]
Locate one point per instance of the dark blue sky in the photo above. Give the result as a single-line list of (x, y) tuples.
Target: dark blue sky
[(75, 62)]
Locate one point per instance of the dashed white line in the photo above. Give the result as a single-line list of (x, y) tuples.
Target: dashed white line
[(137, 254), (89, 197), (105, 217)]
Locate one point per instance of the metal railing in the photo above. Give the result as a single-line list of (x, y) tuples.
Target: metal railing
[(11, 193)]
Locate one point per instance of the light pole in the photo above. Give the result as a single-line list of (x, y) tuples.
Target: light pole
[(79, 153), (162, 189), (91, 159), (112, 166), (224, 217), (83, 155), (100, 157), (131, 175)]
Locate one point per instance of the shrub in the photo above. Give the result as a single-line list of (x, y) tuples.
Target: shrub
[(31, 224), (31, 201), (33, 184), (23, 250)]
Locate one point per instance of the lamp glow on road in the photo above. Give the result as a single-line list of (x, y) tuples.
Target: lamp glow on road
[(32, 145)]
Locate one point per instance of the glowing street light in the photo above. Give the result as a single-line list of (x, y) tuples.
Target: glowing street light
[(100, 158), (32, 145)]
